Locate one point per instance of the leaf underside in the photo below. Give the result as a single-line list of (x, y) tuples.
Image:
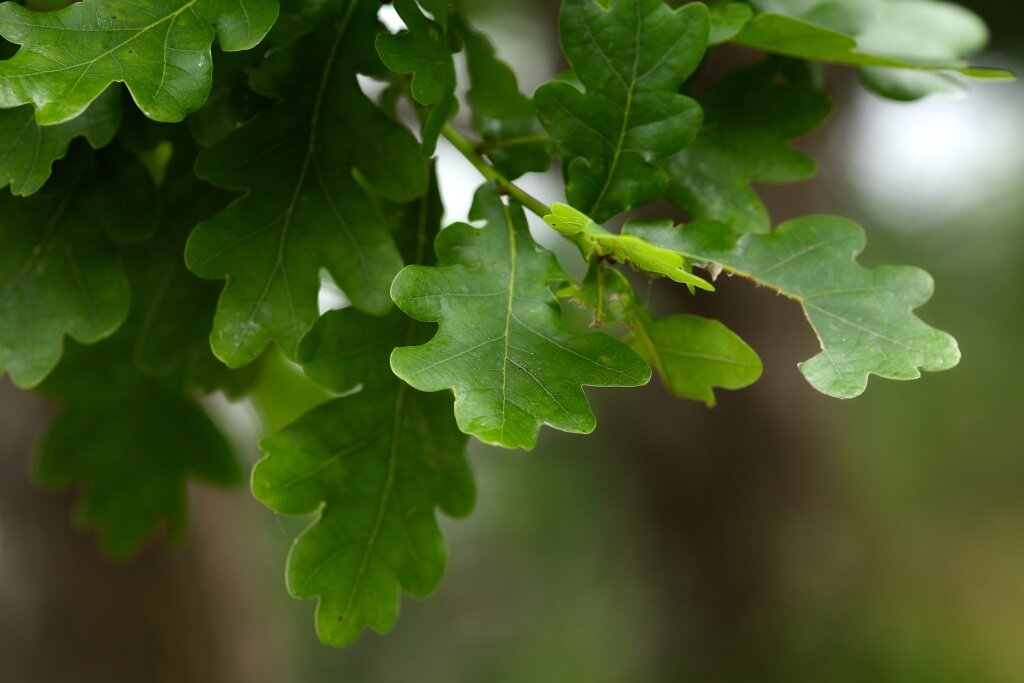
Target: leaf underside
[(863, 318)]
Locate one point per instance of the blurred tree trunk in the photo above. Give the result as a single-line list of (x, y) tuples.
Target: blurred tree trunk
[(68, 614)]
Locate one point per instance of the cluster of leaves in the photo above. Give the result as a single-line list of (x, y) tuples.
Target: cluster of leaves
[(176, 228)]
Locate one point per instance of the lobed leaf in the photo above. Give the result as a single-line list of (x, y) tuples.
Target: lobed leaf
[(305, 165), (863, 318), (631, 57), (691, 354), (159, 49), (502, 346), (374, 465), (513, 138), (59, 273), (749, 116), (28, 150), (422, 51)]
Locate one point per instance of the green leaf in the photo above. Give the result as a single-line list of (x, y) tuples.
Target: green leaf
[(694, 354), (513, 138), (305, 164), (631, 57), (59, 274), (423, 51), (502, 345), (160, 49), (420, 50), (646, 257), (28, 150), (691, 354), (130, 443), (888, 36), (863, 318), (748, 118), (373, 465), (728, 19)]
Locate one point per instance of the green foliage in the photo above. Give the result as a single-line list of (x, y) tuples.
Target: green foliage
[(630, 59), (502, 346), (160, 49), (373, 465), (748, 118), (174, 255), (863, 318), (908, 48)]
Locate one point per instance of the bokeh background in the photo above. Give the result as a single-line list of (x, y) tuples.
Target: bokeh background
[(780, 537)]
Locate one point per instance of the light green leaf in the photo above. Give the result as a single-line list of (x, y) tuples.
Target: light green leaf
[(28, 150), (863, 318), (304, 207), (502, 345), (691, 354), (694, 354), (889, 37), (631, 57), (513, 138), (646, 257), (748, 118), (59, 274), (374, 465), (160, 49)]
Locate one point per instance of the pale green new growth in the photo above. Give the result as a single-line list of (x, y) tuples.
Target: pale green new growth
[(646, 257)]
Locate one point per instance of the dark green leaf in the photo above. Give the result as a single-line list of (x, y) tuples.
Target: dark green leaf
[(28, 150), (631, 57), (748, 118), (304, 207), (130, 443), (514, 140), (59, 274)]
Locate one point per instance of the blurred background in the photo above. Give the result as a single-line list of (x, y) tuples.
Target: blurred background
[(781, 537)]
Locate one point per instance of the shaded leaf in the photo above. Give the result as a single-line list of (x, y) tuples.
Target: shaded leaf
[(863, 318), (59, 273), (749, 116), (160, 49), (514, 140), (631, 57), (28, 150), (422, 50), (374, 465), (304, 207), (502, 346), (129, 443)]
